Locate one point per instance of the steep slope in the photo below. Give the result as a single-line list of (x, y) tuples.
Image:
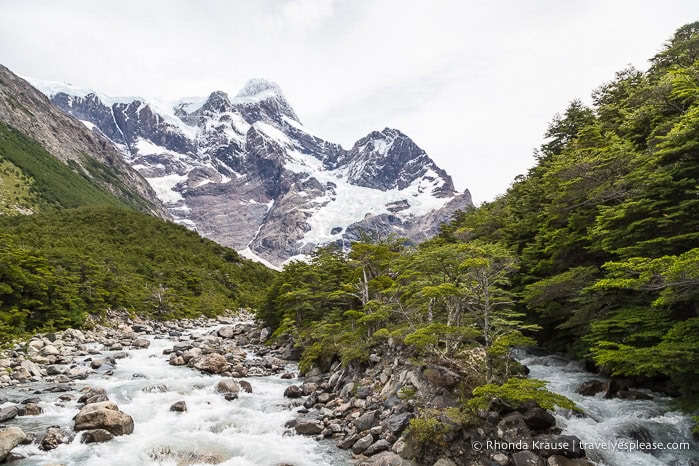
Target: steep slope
[(28, 111), (245, 172)]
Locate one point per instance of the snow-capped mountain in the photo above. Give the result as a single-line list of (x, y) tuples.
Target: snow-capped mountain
[(245, 172)]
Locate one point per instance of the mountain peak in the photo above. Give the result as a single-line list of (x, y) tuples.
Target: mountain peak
[(261, 96), (259, 89)]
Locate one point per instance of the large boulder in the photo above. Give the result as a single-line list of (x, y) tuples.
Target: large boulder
[(213, 363), (104, 415), (362, 444), (365, 421), (8, 413), (590, 387), (293, 391), (513, 429), (141, 343), (441, 376), (539, 419), (396, 423), (226, 331), (228, 386), (309, 427), (10, 438)]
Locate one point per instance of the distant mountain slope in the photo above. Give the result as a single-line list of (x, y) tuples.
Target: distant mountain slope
[(245, 172), (90, 171)]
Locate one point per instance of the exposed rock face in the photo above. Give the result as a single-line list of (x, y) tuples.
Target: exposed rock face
[(246, 173), (26, 109)]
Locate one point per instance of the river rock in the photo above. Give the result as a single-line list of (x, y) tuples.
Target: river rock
[(32, 409), (213, 363), (362, 444), (396, 423), (293, 391), (539, 419), (104, 415), (10, 438), (245, 385), (590, 388), (226, 331), (140, 343), (513, 429), (179, 407), (526, 458), (93, 395), (441, 376), (365, 421), (8, 413), (308, 426), (226, 386), (377, 447), (31, 367), (54, 437)]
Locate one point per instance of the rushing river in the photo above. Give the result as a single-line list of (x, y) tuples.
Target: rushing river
[(614, 424), (248, 431)]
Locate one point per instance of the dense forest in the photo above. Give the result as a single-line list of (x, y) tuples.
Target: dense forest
[(594, 251), (60, 266)]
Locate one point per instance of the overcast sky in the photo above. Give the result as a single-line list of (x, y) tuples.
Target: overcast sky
[(474, 83)]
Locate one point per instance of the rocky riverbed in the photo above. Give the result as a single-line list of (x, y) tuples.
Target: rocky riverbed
[(201, 391), (207, 391)]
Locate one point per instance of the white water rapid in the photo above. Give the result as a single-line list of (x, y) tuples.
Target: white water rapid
[(612, 427), (248, 431)]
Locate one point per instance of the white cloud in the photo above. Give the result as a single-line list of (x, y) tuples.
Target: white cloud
[(473, 83)]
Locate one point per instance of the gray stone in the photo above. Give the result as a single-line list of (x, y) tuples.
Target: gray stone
[(8, 413), (309, 427), (293, 391), (513, 429), (226, 331), (396, 423), (378, 447), (362, 444), (245, 385), (539, 419), (141, 343), (228, 386), (365, 421), (179, 407)]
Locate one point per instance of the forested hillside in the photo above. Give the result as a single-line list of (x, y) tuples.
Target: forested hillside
[(60, 266), (594, 251)]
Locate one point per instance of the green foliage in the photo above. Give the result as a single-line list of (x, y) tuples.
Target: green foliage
[(433, 425), (516, 392), (53, 184), (605, 227), (57, 267)]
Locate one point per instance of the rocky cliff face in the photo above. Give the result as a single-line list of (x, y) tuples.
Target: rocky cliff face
[(26, 109), (245, 172)]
